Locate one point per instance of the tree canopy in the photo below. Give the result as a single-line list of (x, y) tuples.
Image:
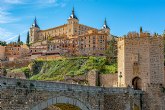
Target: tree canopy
[(27, 40), (111, 52), (3, 43)]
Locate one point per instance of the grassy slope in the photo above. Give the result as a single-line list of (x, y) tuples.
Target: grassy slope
[(58, 69)]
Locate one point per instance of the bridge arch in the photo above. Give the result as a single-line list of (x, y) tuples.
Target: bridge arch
[(60, 100)]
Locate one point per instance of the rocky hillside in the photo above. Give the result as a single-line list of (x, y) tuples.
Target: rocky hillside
[(58, 69)]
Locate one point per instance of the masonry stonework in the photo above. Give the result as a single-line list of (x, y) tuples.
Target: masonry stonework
[(141, 66), (140, 56), (38, 95)]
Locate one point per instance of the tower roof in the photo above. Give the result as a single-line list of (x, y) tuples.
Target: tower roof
[(73, 15), (35, 23), (105, 26)]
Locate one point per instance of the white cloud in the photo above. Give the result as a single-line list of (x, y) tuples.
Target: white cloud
[(5, 16), (5, 34), (52, 1), (49, 3), (8, 36), (13, 1)]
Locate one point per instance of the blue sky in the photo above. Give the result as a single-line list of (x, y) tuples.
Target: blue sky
[(123, 16)]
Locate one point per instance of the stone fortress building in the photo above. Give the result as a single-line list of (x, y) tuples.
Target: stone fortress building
[(141, 66), (72, 38)]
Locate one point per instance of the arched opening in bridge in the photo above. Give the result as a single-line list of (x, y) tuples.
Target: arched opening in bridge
[(137, 83), (62, 106), (61, 103)]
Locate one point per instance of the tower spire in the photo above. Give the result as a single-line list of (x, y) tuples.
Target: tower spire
[(35, 23), (105, 21), (73, 10), (105, 26), (73, 14), (35, 20)]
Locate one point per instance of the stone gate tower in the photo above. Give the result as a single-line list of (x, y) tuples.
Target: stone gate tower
[(140, 60)]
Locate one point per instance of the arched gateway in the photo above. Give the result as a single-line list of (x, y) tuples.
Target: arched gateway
[(62, 100), (137, 83)]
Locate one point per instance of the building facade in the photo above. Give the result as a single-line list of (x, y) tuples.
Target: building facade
[(141, 66), (14, 51), (140, 60), (2, 52), (72, 38)]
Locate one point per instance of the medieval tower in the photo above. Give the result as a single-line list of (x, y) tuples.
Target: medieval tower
[(140, 60)]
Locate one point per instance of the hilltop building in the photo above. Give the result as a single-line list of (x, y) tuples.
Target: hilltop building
[(15, 51), (2, 52), (71, 38)]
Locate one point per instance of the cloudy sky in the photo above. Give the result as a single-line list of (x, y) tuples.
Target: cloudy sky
[(16, 16)]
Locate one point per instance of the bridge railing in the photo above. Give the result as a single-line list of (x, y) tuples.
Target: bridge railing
[(57, 86)]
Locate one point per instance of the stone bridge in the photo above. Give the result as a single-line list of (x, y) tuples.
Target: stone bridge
[(19, 94)]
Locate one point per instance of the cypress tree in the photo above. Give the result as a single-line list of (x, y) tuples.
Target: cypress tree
[(141, 29), (27, 40), (19, 40), (111, 52)]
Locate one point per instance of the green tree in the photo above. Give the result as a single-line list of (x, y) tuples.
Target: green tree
[(141, 29), (19, 39), (27, 40), (26, 71), (4, 72), (111, 52), (3, 43), (19, 42)]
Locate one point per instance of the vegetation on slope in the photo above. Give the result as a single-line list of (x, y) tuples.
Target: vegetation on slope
[(58, 69)]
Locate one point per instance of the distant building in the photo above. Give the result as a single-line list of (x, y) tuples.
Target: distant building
[(14, 51), (72, 38), (2, 52), (93, 42)]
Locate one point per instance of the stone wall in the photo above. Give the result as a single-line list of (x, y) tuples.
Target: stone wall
[(117, 102), (16, 64), (108, 80), (37, 95), (93, 78), (154, 98), (103, 80), (140, 55), (141, 66)]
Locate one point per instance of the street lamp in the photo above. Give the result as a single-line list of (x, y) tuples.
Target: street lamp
[(120, 76)]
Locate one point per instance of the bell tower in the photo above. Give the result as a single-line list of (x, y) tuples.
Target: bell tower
[(33, 37), (105, 27), (73, 23)]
